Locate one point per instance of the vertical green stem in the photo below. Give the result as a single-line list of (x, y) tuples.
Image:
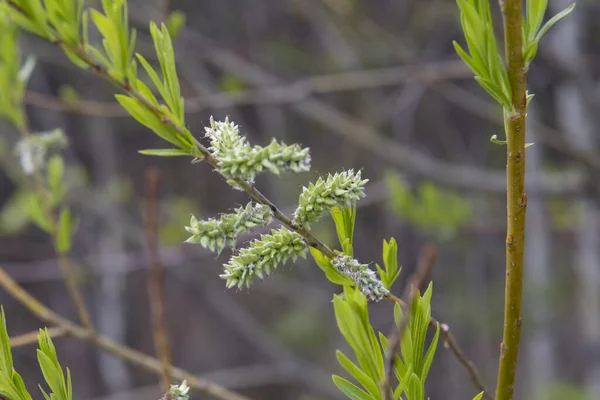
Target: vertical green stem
[(512, 12)]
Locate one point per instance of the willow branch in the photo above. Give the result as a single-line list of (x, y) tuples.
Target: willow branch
[(512, 11), (252, 191), (123, 352), (255, 194)]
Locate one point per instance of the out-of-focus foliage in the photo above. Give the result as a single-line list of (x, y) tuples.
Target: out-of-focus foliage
[(432, 210)]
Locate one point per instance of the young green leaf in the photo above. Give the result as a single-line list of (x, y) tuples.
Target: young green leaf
[(390, 261), (151, 121), (38, 215), (6, 361), (351, 390), (175, 23), (11, 383), (366, 381), (344, 219), (64, 234), (414, 389), (56, 169), (479, 396), (165, 152), (553, 21), (404, 379), (354, 331), (430, 354), (327, 267), (51, 369)]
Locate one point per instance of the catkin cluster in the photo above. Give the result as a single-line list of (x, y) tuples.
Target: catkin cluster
[(366, 280), (217, 233), (238, 160)]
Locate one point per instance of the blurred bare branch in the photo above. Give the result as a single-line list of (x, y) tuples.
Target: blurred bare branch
[(132, 356)]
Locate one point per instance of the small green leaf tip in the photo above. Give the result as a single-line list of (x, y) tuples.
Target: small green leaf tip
[(263, 256), (340, 190), (216, 234), (365, 279), (180, 392), (238, 160)]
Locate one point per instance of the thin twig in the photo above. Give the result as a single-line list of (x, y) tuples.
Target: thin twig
[(277, 94), (126, 353), (457, 176), (64, 262), (156, 280), (413, 286), (32, 337)]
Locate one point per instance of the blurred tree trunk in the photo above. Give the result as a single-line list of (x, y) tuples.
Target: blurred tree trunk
[(539, 356), (110, 301), (576, 121)]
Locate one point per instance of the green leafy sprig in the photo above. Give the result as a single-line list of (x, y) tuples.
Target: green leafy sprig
[(60, 388), (11, 383), (13, 75), (484, 59)]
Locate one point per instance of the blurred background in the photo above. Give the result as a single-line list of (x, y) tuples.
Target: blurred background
[(365, 84)]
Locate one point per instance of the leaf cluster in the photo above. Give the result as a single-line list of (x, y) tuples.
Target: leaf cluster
[(432, 210), (411, 367), (483, 57), (412, 346), (13, 75), (533, 30), (11, 383)]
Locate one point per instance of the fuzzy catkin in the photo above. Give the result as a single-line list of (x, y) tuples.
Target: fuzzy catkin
[(216, 234), (263, 256), (238, 160), (366, 280), (338, 190)]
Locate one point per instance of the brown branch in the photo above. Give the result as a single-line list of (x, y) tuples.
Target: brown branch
[(128, 354), (32, 337), (414, 285), (470, 367), (156, 280), (275, 94)]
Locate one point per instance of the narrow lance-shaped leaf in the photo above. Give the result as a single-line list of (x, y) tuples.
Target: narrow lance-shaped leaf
[(350, 389)]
